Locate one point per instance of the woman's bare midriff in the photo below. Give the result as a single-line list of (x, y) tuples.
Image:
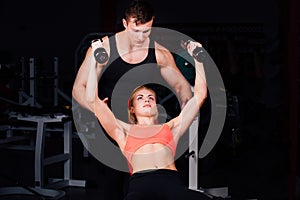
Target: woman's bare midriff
[(153, 156)]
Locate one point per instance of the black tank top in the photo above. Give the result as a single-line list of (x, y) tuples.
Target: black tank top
[(117, 67)]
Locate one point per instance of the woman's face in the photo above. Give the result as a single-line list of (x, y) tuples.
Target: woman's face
[(144, 103)]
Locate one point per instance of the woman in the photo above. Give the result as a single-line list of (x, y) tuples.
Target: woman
[(150, 147)]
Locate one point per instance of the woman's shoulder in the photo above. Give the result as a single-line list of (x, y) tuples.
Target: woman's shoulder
[(124, 127), (170, 124)]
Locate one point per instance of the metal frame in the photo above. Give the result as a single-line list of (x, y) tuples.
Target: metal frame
[(193, 164), (57, 91), (30, 99), (51, 189)]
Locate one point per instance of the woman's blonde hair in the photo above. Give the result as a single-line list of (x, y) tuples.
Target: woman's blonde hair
[(131, 116)]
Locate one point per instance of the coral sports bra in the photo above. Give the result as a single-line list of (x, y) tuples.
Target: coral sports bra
[(136, 140)]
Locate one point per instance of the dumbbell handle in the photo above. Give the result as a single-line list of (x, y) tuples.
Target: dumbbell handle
[(199, 53)]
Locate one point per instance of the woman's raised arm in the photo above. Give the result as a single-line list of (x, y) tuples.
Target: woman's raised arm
[(114, 127), (181, 123)]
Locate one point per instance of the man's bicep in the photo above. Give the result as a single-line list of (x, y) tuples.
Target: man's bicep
[(170, 76)]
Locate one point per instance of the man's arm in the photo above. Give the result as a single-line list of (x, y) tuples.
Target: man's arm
[(172, 74)]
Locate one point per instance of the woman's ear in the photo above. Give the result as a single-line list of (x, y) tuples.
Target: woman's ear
[(131, 109)]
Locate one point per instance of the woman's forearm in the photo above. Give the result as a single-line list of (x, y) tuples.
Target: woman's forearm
[(91, 85), (200, 88)]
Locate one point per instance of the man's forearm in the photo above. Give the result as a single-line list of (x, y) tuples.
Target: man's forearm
[(184, 93)]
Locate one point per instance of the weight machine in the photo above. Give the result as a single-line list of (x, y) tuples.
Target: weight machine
[(193, 164), (30, 99), (42, 118), (24, 98)]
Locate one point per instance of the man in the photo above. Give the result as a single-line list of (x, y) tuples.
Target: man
[(127, 50)]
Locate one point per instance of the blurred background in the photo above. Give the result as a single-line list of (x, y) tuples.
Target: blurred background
[(255, 45)]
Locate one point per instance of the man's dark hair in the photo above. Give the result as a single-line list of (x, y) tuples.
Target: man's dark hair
[(141, 10)]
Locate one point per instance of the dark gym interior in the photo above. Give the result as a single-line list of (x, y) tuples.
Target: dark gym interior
[(254, 44)]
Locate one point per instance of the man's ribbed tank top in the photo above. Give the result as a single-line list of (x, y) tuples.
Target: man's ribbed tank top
[(117, 67)]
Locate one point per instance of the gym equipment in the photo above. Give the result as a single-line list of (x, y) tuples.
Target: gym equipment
[(40, 188), (83, 45), (31, 98), (193, 165), (199, 53), (57, 91), (100, 53)]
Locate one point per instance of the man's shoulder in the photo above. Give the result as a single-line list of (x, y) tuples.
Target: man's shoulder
[(161, 50)]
